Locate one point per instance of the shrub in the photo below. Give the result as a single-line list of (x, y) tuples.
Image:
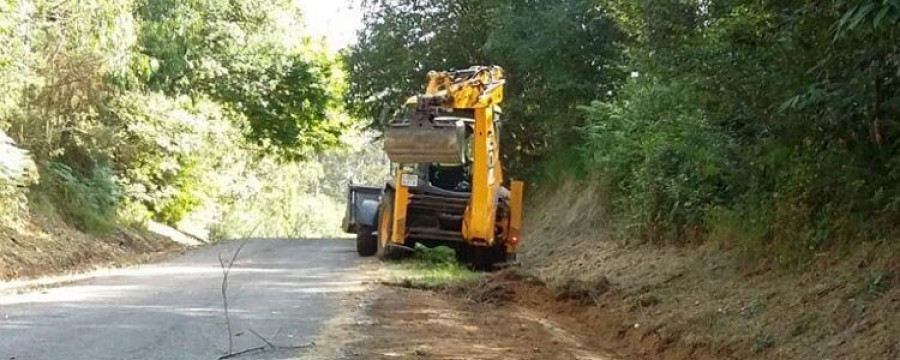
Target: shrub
[(88, 201), (762, 123)]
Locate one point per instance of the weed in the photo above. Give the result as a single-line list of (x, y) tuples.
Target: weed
[(877, 283), (763, 341), (753, 308), (88, 201), (431, 268)]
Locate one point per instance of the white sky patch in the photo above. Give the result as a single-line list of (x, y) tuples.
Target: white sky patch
[(334, 20)]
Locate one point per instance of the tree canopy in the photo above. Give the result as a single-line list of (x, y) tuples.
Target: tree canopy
[(558, 54), (165, 110), (245, 55)]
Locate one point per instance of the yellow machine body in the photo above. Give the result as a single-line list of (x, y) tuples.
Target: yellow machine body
[(477, 91)]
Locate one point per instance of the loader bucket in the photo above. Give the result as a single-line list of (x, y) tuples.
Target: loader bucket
[(417, 144)]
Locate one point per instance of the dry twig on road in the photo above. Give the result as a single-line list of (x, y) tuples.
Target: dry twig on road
[(226, 269)]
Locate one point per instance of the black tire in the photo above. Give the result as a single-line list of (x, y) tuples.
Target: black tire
[(462, 254), (366, 241), (480, 258)]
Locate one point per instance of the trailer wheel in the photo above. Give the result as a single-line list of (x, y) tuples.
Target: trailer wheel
[(366, 241)]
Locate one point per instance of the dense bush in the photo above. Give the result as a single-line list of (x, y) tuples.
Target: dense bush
[(87, 199), (306, 198), (767, 122)]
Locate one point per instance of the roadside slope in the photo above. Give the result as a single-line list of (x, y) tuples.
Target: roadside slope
[(47, 246), (704, 301)]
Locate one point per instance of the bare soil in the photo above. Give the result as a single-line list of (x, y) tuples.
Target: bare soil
[(52, 247), (512, 315), (402, 323)]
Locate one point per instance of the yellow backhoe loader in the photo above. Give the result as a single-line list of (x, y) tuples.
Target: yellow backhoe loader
[(447, 184)]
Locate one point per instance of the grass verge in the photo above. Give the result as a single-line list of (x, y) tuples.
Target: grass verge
[(430, 268)]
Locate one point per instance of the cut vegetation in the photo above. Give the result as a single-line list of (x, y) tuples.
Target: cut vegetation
[(429, 268), (705, 301)]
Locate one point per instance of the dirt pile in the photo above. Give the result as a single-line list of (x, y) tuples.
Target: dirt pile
[(52, 247), (496, 289), (702, 302)]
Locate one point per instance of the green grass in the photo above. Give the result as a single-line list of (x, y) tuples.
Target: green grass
[(430, 269)]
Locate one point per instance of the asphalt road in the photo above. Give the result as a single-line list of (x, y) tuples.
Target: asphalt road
[(283, 290)]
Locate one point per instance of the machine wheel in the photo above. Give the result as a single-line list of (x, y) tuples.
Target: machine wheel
[(479, 258), (483, 258), (385, 219), (462, 253), (366, 241)]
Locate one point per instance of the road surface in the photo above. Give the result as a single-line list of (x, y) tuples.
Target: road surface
[(283, 290)]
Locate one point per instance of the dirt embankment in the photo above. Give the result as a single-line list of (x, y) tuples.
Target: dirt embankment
[(404, 323), (702, 302), (52, 247)]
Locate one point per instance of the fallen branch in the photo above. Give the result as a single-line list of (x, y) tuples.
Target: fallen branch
[(226, 269), (263, 339), (242, 352), (263, 349), (305, 346)]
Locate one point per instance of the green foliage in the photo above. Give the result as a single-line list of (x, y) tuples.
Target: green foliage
[(161, 110), (431, 268), (438, 256), (763, 341), (176, 150), (878, 283), (304, 199), (287, 203), (558, 54), (666, 170), (768, 125), (764, 123), (89, 200), (246, 56)]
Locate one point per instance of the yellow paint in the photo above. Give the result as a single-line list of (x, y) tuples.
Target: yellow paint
[(484, 89), (401, 201), (385, 225), (478, 223), (481, 92)]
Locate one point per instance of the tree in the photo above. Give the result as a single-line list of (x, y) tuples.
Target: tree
[(158, 108), (245, 55), (558, 54)]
